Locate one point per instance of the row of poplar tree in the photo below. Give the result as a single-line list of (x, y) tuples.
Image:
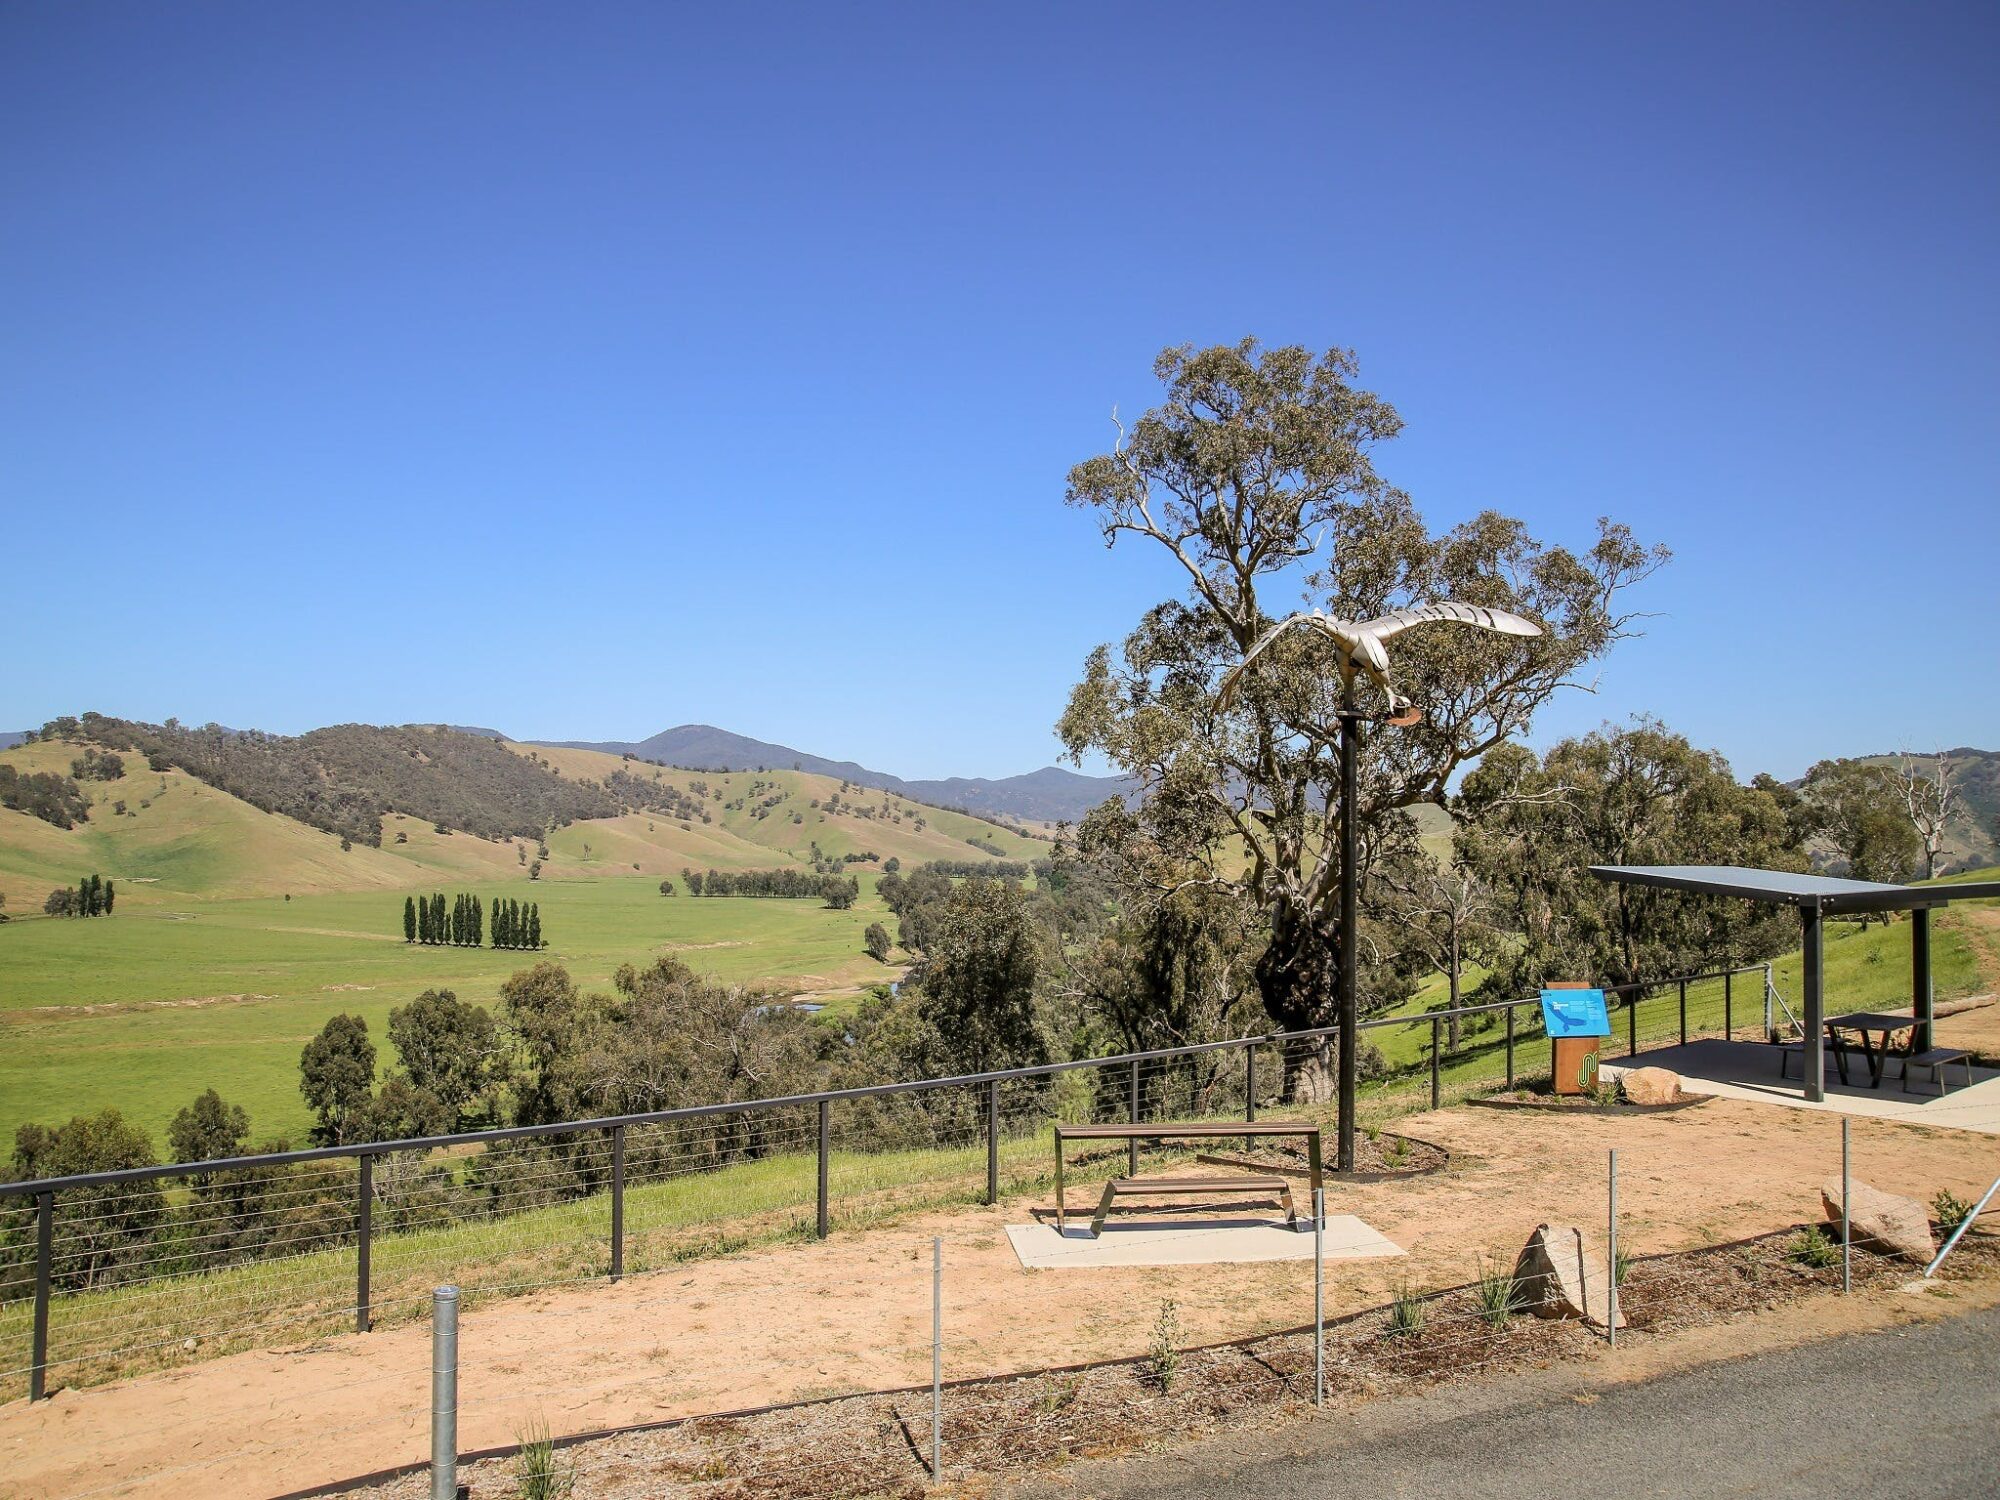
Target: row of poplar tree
[(460, 922)]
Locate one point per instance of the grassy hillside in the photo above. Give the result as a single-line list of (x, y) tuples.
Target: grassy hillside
[(207, 975)]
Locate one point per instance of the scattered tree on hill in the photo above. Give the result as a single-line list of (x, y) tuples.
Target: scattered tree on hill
[(96, 765), (1439, 916), (409, 919), (1256, 460), (336, 1075), (876, 938), (45, 795), (666, 887), (208, 1130), (1930, 794), (93, 896), (891, 865)]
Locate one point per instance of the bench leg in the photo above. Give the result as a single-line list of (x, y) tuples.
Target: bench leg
[(1291, 1208), (1103, 1208)]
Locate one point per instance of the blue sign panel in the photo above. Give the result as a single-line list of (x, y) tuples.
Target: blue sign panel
[(1575, 1013)]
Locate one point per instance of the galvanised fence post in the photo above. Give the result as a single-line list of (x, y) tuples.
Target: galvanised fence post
[(1684, 1012), (617, 1202), (45, 1246), (1250, 1084), (1510, 1046), (993, 1141), (1729, 1006), (364, 1224), (825, 1141)]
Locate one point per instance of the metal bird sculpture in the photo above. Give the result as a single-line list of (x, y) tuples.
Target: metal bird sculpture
[(1360, 645)]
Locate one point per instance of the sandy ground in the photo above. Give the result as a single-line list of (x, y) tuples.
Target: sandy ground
[(853, 1313)]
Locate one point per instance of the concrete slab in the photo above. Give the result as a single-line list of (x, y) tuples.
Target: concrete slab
[(1749, 1070), (1192, 1243)]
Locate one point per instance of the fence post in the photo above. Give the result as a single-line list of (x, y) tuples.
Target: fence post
[(993, 1141), (1510, 1046), (825, 1141), (1250, 1084), (444, 1393), (1846, 1208), (1684, 1012), (617, 1202), (45, 1246), (1611, 1267), (937, 1360), (1729, 1006), (364, 1225), (1319, 1296), (1132, 1146), (1436, 1037), (1632, 1023)]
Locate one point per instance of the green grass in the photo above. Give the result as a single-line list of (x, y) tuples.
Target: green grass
[(262, 976)]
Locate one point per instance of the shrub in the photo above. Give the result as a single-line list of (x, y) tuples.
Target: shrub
[(1406, 1311), (1949, 1210), (1814, 1248), (540, 1473), (1496, 1293), (1163, 1360)]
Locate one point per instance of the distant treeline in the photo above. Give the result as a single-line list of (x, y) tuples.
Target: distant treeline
[(987, 869), (90, 897), (838, 891), (345, 779), (45, 795), (459, 923)]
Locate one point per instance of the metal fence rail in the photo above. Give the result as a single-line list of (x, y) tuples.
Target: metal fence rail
[(106, 1271)]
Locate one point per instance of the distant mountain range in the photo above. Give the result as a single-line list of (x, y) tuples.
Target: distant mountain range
[(1048, 795)]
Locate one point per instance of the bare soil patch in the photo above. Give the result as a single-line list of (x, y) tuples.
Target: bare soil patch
[(805, 1320)]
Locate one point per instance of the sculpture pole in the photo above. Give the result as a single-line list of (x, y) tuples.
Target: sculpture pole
[(1347, 1009)]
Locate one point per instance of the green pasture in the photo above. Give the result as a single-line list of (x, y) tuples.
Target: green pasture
[(145, 1009)]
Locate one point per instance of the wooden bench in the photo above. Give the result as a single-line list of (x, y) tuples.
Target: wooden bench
[(1305, 1132), (1277, 1188), (1937, 1059)]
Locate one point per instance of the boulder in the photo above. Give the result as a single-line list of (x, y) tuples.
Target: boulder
[(1893, 1225), (1561, 1274), (1650, 1085)]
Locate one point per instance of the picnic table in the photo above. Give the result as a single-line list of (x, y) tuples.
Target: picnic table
[(1869, 1023), (1238, 1130)]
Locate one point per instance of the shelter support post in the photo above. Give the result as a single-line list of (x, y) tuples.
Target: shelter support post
[(1815, 1001), (1920, 978)]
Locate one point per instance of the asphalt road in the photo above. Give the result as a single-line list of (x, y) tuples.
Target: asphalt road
[(1893, 1415)]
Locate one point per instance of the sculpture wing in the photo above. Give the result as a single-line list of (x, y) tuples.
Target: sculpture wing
[(1226, 690), (1466, 614)]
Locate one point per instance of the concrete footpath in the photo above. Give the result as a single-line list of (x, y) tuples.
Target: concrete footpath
[(1896, 1414)]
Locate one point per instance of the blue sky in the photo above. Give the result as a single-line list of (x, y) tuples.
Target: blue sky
[(583, 370)]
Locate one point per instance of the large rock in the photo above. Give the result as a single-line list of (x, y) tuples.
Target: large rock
[(1650, 1085), (1561, 1274), (1893, 1225)]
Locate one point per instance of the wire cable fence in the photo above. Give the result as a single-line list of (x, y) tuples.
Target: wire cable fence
[(115, 1273)]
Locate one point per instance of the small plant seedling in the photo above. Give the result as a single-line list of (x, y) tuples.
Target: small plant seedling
[(1496, 1293), (1163, 1361), (1813, 1247), (1949, 1210), (1621, 1267), (1406, 1311), (540, 1473)]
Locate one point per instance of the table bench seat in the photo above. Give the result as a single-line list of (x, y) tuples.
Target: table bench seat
[(1278, 1188), (1937, 1059)]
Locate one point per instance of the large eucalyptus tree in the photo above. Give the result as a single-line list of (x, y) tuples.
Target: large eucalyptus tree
[(1255, 477)]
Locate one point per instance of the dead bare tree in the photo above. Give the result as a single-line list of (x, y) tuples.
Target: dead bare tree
[(1932, 797)]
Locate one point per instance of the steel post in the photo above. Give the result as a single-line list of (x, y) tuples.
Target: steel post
[(1319, 1296), (1611, 1265), (1250, 1084), (363, 1234), (1436, 1036), (1684, 1012), (937, 1360), (45, 1247), (1348, 1005), (1132, 1146), (444, 1393), (617, 1201), (1632, 1023), (993, 1142), (824, 1219), (1729, 1006), (1846, 1206), (1510, 1046)]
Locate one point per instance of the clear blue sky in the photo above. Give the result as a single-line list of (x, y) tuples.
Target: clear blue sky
[(586, 369)]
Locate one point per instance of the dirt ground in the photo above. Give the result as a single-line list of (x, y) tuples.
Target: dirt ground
[(853, 1314)]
